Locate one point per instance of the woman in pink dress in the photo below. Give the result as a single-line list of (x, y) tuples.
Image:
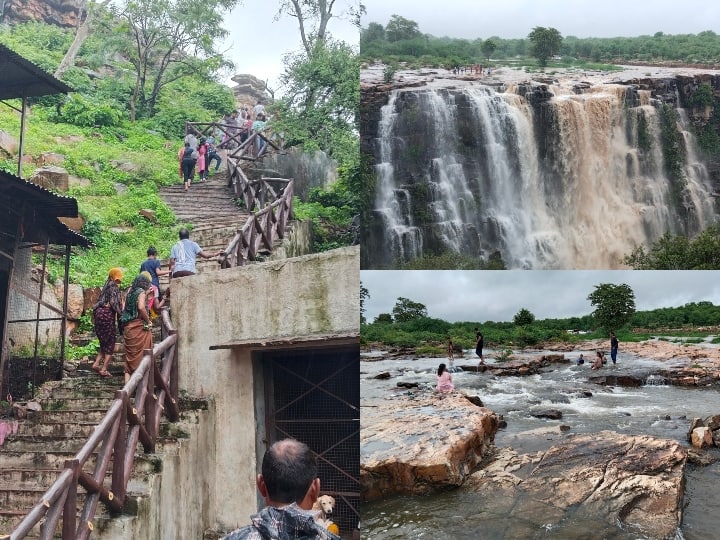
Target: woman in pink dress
[(444, 380), (202, 152)]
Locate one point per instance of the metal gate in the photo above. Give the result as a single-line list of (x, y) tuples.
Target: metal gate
[(314, 397)]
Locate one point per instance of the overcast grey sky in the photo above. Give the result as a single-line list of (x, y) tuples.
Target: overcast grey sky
[(257, 43), (516, 18), (480, 296)]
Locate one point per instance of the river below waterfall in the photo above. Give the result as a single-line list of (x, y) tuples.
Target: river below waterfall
[(653, 409)]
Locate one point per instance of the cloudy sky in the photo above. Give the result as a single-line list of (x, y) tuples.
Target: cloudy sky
[(581, 18), (480, 296), (257, 42)]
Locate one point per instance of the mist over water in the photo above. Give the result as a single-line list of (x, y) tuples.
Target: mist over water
[(575, 180)]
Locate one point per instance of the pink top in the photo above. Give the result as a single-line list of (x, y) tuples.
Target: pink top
[(445, 383)]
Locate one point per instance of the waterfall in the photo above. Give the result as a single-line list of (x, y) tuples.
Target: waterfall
[(564, 180)]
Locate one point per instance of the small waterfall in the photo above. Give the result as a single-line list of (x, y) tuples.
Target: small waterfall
[(567, 181)]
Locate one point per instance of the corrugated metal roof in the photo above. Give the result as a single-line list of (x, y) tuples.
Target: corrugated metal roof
[(14, 191), (22, 78), (49, 202)]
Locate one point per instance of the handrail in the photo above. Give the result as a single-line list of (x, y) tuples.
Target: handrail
[(117, 435), (260, 230), (269, 200)]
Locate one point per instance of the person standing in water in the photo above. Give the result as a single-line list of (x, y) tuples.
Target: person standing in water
[(479, 342), (613, 347), (451, 357)]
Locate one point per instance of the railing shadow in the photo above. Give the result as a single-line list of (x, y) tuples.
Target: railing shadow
[(133, 416)]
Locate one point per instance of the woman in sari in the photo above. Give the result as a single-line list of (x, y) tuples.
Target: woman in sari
[(105, 312), (137, 329)]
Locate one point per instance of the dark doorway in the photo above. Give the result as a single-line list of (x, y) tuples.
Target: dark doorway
[(314, 396)]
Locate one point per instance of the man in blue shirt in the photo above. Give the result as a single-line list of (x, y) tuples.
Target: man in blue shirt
[(184, 253)]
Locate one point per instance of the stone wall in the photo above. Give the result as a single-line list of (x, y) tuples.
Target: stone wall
[(308, 170), (313, 294)]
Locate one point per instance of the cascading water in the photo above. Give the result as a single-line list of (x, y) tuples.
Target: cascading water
[(547, 177)]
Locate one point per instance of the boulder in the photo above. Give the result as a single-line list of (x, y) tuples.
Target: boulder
[(91, 296), (148, 214), (51, 177), (51, 158), (701, 437), (415, 445), (552, 414), (8, 144), (694, 423), (621, 485), (76, 299), (630, 381)]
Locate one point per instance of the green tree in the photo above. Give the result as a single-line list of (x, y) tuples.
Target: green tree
[(170, 40), (546, 42), (383, 318), (399, 28), (523, 318), (614, 305), (313, 17), (321, 99), (373, 32), (407, 310), (488, 47), (364, 295)]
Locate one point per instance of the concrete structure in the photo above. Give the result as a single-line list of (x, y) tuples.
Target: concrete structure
[(211, 478)]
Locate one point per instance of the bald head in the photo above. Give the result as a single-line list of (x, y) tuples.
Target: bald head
[(289, 468)]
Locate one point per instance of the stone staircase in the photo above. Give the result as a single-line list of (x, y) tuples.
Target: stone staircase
[(32, 458), (211, 210)]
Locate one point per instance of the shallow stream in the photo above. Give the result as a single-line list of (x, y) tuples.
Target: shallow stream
[(653, 409)]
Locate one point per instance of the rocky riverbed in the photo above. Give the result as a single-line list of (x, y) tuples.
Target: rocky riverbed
[(615, 457)]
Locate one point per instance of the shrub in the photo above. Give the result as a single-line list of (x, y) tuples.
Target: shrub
[(83, 111)]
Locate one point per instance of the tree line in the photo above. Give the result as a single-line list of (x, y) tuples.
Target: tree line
[(613, 305), (402, 39)]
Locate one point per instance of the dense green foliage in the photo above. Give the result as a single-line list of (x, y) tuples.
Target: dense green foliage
[(425, 49), (614, 305), (699, 319), (679, 252), (119, 164)]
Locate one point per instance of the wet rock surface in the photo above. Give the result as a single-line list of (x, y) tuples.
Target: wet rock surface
[(416, 444), (608, 478)]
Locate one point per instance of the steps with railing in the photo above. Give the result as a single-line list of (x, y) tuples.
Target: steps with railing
[(96, 462)]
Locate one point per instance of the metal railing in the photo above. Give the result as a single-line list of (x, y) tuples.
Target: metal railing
[(133, 416)]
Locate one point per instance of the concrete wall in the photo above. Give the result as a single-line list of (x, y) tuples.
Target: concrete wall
[(175, 503), (293, 297)]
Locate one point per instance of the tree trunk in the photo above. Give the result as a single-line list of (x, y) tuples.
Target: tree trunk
[(82, 33)]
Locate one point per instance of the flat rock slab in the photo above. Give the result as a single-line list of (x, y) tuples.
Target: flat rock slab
[(421, 443), (597, 482)]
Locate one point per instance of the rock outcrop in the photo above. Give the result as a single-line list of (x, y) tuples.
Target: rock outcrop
[(249, 90), (418, 444), (64, 13), (611, 480)]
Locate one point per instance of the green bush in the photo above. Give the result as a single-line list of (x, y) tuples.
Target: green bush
[(83, 111)]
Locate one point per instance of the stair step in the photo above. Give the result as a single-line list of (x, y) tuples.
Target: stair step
[(53, 429), (68, 415)]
